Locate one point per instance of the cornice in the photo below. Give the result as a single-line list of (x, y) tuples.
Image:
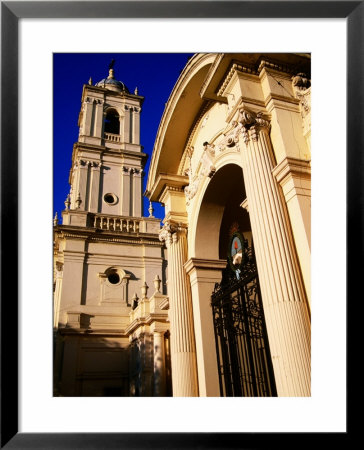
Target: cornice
[(205, 264), (292, 166), (268, 63), (101, 149), (147, 320), (282, 98), (255, 70), (235, 67), (97, 235), (166, 181), (119, 332), (110, 93)]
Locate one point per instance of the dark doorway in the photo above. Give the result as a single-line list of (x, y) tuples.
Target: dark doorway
[(243, 355)]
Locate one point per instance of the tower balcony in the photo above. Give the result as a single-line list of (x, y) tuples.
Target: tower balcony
[(111, 137), (116, 223), (110, 223)]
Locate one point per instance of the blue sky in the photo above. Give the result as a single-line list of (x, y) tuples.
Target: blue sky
[(154, 74)]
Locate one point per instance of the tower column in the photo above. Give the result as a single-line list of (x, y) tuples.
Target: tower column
[(284, 301), (82, 184), (183, 353), (125, 191), (137, 193), (136, 125), (126, 124), (87, 119), (95, 187), (99, 119)]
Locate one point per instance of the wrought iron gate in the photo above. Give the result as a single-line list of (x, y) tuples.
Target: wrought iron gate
[(243, 356)]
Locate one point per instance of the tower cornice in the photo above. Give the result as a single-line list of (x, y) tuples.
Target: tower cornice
[(87, 88)]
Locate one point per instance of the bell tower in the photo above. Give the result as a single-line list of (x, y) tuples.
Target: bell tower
[(107, 256), (107, 161)]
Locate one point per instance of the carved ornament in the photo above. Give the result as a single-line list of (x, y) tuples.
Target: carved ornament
[(206, 168), (171, 232), (231, 137), (251, 123)]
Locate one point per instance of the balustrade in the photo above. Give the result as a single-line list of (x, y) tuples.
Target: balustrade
[(112, 137), (111, 223)]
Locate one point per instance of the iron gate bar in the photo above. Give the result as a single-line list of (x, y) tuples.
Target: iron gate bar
[(242, 348)]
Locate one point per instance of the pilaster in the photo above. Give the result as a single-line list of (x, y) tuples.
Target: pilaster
[(136, 125), (294, 177), (137, 192), (288, 140), (79, 189), (203, 274), (126, 131), (284, 300), (159, 379), (88, 108), (71, 295), (95, 188), (99, 120), (57, 293), (125, 191)]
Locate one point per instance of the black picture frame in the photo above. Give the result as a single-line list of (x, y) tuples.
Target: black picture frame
[(11, 12)]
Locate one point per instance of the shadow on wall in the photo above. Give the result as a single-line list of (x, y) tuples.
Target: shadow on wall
[(85, 365)]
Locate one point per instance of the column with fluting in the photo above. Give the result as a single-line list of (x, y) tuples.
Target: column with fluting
[(159, 364), (183, 353), (284, 300)]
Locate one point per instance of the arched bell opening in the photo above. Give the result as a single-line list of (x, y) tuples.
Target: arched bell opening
[(112, 122)]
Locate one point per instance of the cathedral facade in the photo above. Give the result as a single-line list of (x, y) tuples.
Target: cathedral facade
[(231, 165)]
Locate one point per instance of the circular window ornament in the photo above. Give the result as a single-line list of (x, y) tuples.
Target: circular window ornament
[(236, 252), (110, 199), (113, 278)]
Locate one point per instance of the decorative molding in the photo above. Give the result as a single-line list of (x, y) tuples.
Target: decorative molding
[(206, 106), (101, 238), (280, 67), (205, 168)]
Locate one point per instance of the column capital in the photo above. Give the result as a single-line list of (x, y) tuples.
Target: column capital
[(251, 123), (172, 231)]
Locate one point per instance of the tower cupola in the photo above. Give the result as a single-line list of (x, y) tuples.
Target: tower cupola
[(111, 83)]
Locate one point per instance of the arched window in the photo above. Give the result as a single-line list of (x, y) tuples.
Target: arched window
[(112, 122)]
